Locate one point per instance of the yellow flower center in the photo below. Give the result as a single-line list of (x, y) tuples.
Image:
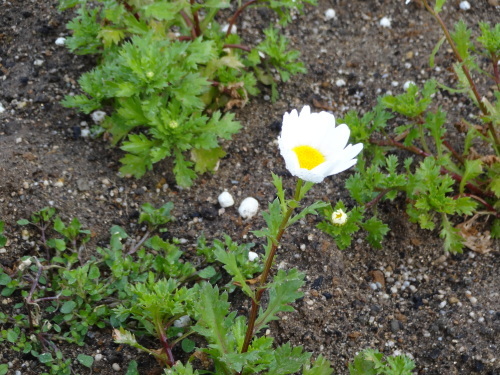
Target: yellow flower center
[(309, 157)]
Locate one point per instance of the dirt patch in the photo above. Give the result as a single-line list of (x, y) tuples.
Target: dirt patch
[(45, 161)]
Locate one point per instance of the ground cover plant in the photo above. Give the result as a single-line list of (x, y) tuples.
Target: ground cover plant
[(168, 68)]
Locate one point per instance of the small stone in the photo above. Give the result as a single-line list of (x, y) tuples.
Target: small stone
[(98, 357), (330, 14), (60, 41), (225, 199), (395, 325), (407, 84), (378, 277), (340, 82), (464, 5), (225, 27), (2, 108), (82, 184), (248, 208), (453, 300), (116, 367), (473, 300), (38, 62), (183, 321), (98, 116), (385, 22)]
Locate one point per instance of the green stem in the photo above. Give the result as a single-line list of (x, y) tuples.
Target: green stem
[(267, 268)]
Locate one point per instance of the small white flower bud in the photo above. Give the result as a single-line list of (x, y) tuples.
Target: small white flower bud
[(252, 256), (339, 217)]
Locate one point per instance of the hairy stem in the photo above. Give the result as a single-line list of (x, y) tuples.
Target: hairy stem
[(235, 16), (267, 268)]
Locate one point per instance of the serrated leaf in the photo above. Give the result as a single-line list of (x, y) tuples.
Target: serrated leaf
[(376, 231), (228, 259), (283, 290), (207, 160), (287, 360), (321, 366)]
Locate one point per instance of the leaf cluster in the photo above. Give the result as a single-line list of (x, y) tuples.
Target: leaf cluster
[(167, 72), (372, 362)]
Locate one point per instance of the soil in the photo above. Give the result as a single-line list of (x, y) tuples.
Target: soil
[(449, 321)]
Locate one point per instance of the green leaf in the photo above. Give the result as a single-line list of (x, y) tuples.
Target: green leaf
[(4, 278), (461, 37), (188, 345), (287, 360), (435, 51), (376, 231), (321, 366), (12, 335), (68, 307), (207, 272), (439, 5), (85, 360), (207, 160), (94, 272), (23, 222), (4, 368), (132, 368), (473, 168), (45, 358), (453, 241), (283, 290), (57, 243), (231, 266), (213, 322)]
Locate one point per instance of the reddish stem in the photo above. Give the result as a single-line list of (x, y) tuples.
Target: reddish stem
[(168, 350), (496, 73), (488, 206), (235, 16), (189, 23), (196, 20), (416, 150)]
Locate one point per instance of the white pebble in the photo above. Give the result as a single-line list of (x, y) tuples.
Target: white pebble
[(2, 108), (225, 27), (225, 199), (394, 290), (60, 41), (330, 14), (413, 288), (373, 286), (98, 116), (473, 300), (481, 320), (464, 5), (407, 84), (38, 62), (182, 322), (98, 357), (85, 133), (248, 208), (116, 367), (252, 256), (385, 22), (340, 82), (442, 304)]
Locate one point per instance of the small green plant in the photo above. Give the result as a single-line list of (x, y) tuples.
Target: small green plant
[(167, 67), (372, 362), (440, 181)]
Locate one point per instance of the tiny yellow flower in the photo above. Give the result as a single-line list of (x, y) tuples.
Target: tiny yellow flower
[(313, 147), (339, 217)]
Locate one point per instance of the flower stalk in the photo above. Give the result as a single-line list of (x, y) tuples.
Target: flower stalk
[(267, 268)]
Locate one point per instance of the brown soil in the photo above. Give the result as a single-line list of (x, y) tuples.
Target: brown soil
[(435, 322)]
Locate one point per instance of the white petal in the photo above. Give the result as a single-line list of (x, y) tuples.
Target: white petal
[(342, 166)]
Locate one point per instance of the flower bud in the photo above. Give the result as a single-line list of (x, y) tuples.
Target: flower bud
[(339, 217)]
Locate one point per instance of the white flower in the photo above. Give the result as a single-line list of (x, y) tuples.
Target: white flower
[(339, 217), (313, 147)]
